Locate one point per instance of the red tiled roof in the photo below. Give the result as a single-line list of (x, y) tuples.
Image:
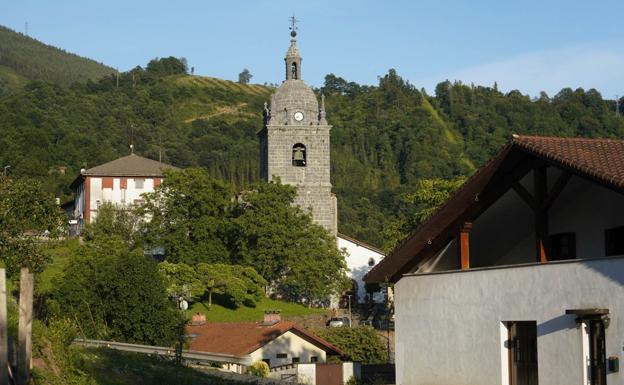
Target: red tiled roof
[(242, 338), (601, 160)]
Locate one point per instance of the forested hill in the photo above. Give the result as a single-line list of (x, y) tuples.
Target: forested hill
[(22, 57), (386, 138)]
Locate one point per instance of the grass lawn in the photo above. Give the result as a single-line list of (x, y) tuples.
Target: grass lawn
[(111, 367), (220, 313), (61, 253)]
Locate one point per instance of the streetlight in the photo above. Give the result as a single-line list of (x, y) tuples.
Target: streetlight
[(5, 169)]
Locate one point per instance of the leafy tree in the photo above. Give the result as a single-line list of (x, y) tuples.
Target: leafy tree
[(361, 344), (27, 213), (189, 217), (167, 66), (116, 293), (114, 222), (286, 248), (240, 285), (245, 76), (429, 194)]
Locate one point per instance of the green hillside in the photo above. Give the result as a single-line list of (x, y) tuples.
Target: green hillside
[(32, 59), (385, 138)]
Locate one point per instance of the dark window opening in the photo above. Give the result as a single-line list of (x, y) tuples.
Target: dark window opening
[(371, 261), (614, 241), (293, 70), (282, 355), (296, 360), (562, 246), (522, 345), (314, 359), (299, 155), (268, 361)]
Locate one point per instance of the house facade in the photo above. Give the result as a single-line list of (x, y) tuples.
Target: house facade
[(276, 342), (519, 277), (121, 182)]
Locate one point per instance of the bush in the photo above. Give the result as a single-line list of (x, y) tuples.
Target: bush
[(361, 344), (259, 369)]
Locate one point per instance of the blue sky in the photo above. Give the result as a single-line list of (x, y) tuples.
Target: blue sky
[(526, 45)]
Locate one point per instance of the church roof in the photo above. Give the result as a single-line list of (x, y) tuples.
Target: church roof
[(599, 160), (293, 50)]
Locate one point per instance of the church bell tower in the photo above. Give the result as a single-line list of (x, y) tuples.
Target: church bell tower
[(294, 142)]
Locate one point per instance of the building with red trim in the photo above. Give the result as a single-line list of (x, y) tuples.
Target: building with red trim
[(121, 182)]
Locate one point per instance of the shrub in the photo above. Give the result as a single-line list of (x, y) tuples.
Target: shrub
[(361, 344), (259, 369)]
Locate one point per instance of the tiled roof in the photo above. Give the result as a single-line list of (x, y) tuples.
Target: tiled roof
[(242, 338), (600, 158), (131, 165)]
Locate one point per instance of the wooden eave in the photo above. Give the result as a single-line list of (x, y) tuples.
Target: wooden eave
[(479, 192)]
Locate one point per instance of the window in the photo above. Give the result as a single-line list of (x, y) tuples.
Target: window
[(299, 155), (563, 246), (138, 183), (314, 359), (295, 360), (614, 241), (371, 262), (282, 355)]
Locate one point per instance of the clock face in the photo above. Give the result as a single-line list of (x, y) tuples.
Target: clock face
[(298, 116)]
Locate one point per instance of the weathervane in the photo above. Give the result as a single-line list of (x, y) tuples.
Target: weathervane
[(293, 25)]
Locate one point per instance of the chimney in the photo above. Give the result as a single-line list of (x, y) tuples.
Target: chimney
[(271, 317)]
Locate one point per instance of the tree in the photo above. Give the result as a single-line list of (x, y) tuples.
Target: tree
[(361, 344), (239, 285), (429, 194), (116, 293), (27, 213), (167, 66), (189, 217), (283, 244), (245, 76)]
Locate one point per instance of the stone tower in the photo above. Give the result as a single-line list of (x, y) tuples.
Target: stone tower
[(294, 143)]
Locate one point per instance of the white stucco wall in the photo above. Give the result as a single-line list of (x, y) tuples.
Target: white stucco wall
[(293, 346), (116, 195), (448, 325), (357, 263)]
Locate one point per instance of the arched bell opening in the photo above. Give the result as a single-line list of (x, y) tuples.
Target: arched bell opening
[(293, 70), (299, 155)]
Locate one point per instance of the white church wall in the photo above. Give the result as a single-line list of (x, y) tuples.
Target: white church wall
[(448, 325), (358, 264)]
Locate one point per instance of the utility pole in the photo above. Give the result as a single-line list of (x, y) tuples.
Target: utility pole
[(24, 349), (26, 28)]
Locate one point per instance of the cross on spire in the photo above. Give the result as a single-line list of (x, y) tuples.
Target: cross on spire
[(293, 25)]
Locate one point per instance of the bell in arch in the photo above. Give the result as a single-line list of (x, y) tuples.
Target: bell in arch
[(299, 156)]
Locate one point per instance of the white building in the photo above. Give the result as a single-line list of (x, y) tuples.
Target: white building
[(361, 257), (278, 343), (519, 277), (121, 182)]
